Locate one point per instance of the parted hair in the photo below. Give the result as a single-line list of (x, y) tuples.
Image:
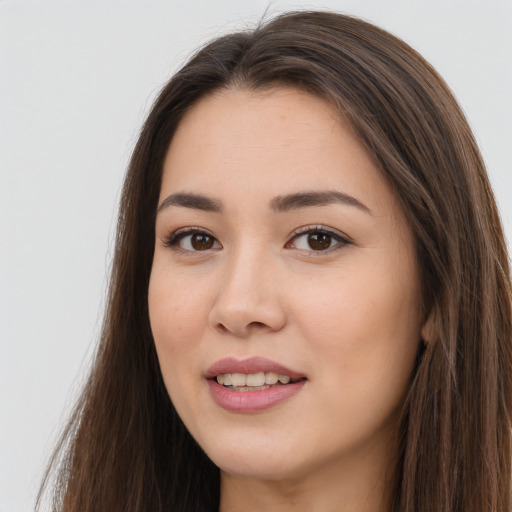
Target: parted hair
[(126, 450)]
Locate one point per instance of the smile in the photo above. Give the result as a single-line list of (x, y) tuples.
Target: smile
[(252, 381), (252, 385)]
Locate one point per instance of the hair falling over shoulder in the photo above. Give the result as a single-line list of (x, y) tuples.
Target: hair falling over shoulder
[(126, 450)]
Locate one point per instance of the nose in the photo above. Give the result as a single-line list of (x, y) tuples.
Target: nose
[(248, 299)]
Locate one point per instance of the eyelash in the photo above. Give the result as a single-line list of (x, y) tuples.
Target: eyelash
[(309, 230), (178, 235)]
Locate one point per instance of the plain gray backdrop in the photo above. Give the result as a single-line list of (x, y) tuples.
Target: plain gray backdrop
[(76, 79)]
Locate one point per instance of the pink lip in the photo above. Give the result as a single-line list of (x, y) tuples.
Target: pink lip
[(251, 401), (251, 365)]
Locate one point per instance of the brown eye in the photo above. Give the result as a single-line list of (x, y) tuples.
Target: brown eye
[(193, 240), (319, 241), (201, 242)]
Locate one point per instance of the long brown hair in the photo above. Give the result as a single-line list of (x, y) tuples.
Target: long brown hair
[(125, 449)]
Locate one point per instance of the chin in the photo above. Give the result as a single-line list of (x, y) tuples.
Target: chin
[(268, 469), (259, 460)]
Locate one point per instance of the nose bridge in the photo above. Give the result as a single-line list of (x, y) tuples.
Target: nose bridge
[(247, 296)]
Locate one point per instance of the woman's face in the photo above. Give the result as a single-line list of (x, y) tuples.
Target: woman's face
[(282, 254)]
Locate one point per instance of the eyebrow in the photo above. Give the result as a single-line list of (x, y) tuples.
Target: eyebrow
[(278, 204), (194, 201), (314, 198)]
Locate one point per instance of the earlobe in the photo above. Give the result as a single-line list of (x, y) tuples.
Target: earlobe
[(428, 331)]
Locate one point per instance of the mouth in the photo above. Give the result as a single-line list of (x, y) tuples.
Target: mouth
[(252, 385), (254, 381)]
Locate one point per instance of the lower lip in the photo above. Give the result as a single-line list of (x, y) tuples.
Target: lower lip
[(252, 401)]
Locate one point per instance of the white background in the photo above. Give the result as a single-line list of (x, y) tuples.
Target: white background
[(76, 79)]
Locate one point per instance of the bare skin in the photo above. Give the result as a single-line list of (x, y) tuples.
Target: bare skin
[(331, 488), (326, 286)]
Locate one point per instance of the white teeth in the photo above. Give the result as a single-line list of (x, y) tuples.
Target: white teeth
[(255, 380), (238, 379), (271, 378)]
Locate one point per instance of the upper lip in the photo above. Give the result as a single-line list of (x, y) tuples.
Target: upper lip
[(248, 366)]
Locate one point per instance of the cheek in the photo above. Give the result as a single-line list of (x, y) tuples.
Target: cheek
[(177, 316), (363, 339), (364, 323)]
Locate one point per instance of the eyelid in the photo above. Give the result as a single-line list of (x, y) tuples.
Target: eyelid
[(173, 238), (316, 228)]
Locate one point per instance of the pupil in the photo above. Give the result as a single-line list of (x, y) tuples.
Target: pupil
[(319, 241), (202, 242)]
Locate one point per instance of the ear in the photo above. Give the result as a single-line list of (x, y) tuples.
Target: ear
[(428, 331)]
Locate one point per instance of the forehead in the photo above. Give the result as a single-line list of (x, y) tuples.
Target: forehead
[(237, 142)]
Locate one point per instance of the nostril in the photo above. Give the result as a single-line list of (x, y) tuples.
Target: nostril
[(242, 331), (222, 328), (257, 324)]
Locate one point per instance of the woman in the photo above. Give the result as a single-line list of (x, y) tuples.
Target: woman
[(310, 301)]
